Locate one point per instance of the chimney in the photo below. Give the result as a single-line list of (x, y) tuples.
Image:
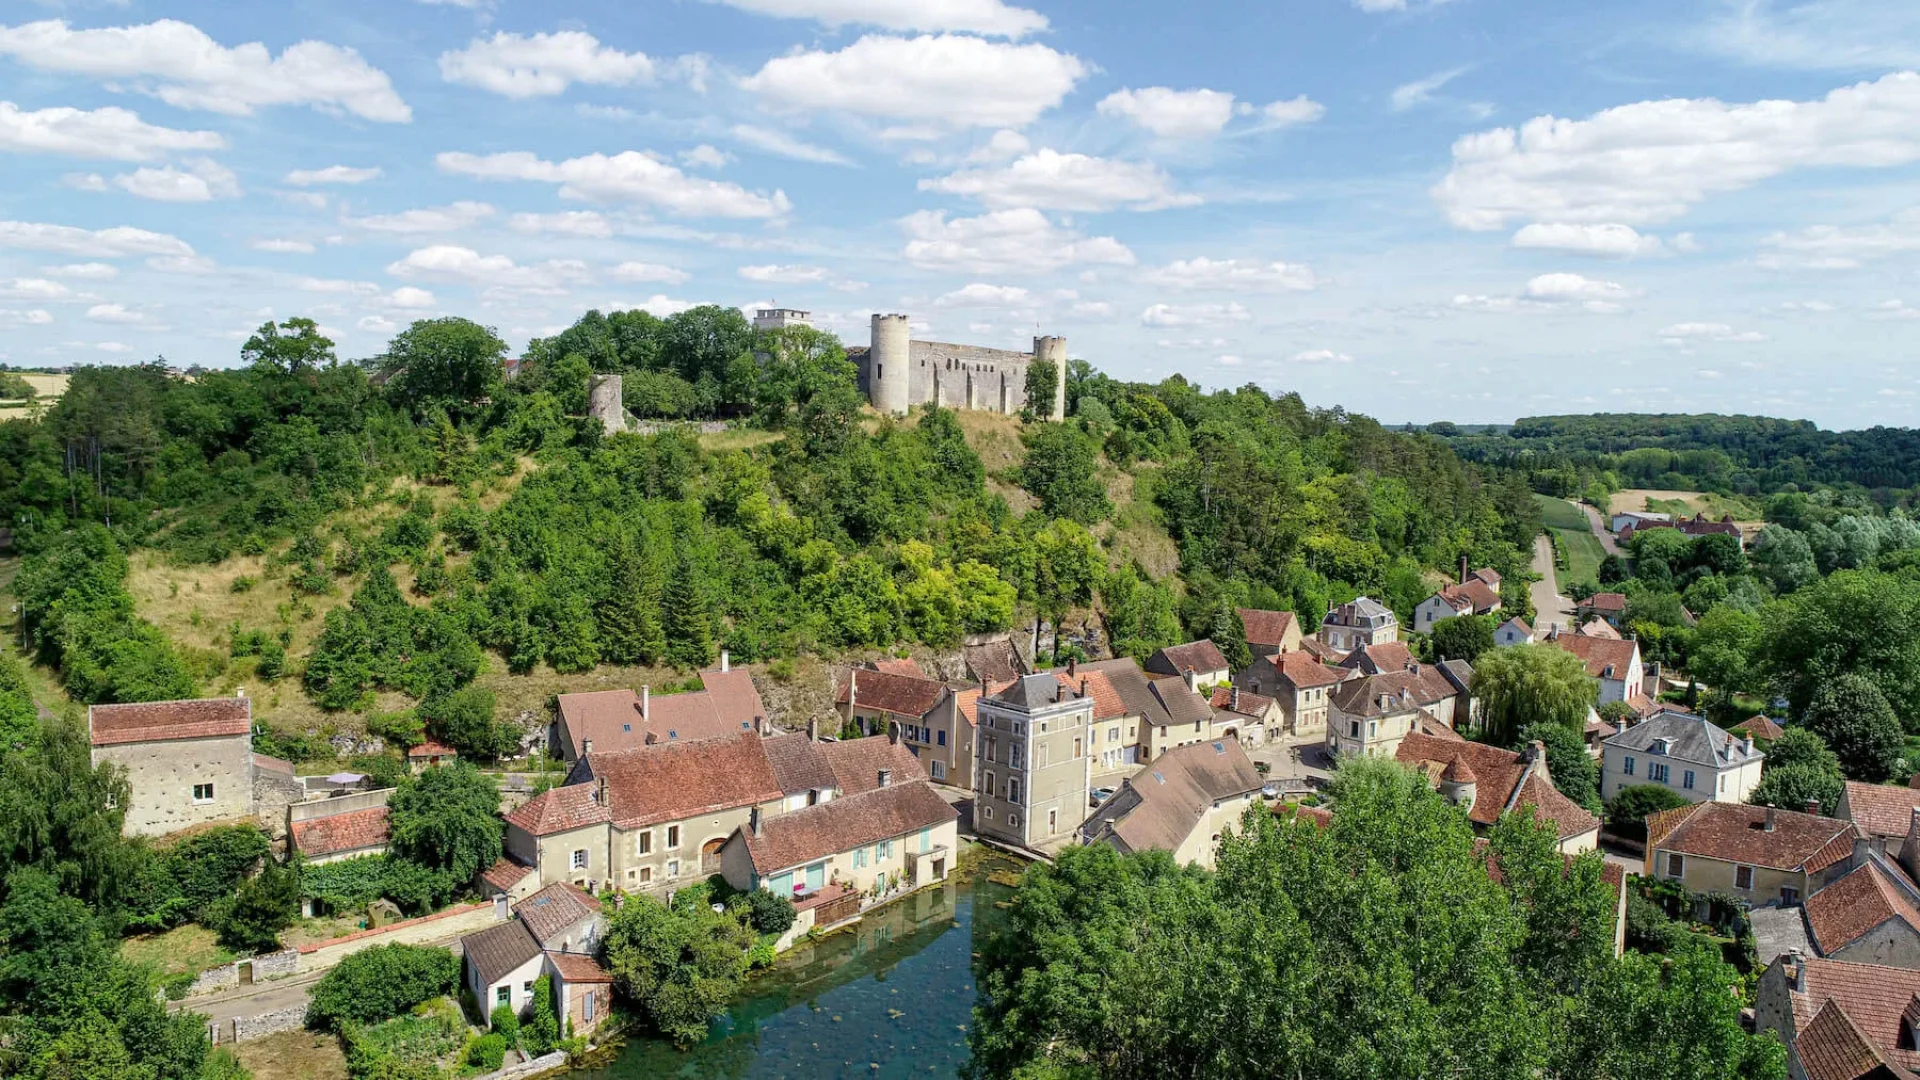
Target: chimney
[(813, 729), (753, 821), (1914, 781), (1083, 686), (1769, 819), (1797, 970), (646, 696), (1749, 745), (1072, 665), (1233, 699), (586, 747), (600, 790), (1254, 685), (1463, 569), (1193, 680), (726, 662), (1813, 807), (893, 733), (886, 777), (241, 693), (853, 690)]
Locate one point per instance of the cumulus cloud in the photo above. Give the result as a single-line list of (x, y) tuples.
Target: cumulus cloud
[(786, 145), (88, 271), (182, 264), (979, 294), (182, 66), (463, 265), (646, 271), (428, 219), (377, 324), (543, 65), (283, 247), (991, 17), (1837, 247), (1320, 356), (1049, 180), (1690, 333), (199, 181), (30, 317), (1653, 160), (1002, 145), (33, 289), (1554, 293), (939, 81), (1608, 241), (704, 157), (332, 174), (406, 298), (629, 176), (117, 314), (1245, 275), (1170, 113), (118, 242), (785, 275), (1004, 241), (1296, 110), (586, 223), (1193, 314), (110, 132)]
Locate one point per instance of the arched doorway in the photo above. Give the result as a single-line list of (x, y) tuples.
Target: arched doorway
[(710, 855)]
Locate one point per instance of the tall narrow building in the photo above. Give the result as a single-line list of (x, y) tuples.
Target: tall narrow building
[(1033, 765)]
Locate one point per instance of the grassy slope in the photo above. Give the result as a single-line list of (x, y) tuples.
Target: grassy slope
[(1568, 523), (1684, 503)]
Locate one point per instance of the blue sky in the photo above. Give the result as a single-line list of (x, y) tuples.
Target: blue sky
[(1475, 209)]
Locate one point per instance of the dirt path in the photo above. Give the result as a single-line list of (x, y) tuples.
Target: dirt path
[(1549, 607), (1599, 526)]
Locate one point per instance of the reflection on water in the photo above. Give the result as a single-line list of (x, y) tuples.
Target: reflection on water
[(892, 997)]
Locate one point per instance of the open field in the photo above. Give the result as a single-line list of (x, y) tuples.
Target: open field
[(1682, 504), (294, 1055), (189, 948), (1568, 523)]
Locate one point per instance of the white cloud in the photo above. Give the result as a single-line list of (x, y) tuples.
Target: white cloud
[(312, 200), (1004, 241), (661, 306), (704, 157), (645, 271), (542, 65), (200, 181), (943, 81), (337, 286), (1005, 144), (1049, 180), (332, 174), (406, 298), (117, 314), (1688, 333), (586, 223), (1092, 309), (1836, 247), (1550, 293), (112, 347), (1320, 356), (429, 219), (377, 324), (86, 182), (979, 294), (33, 289), (98, 133), (991, 17), (1296, 110), (449, 262), (1610, 240), (785, 275), (629, 176), (786, 145), (1420, 91), (1839, 35), (283, 247), (1653, 160), (1237, 274), (89, 271), (114, 243), (1193, 314), (31, 317), (1894, 309), (182, 264), (190, 70), (1170, 113)]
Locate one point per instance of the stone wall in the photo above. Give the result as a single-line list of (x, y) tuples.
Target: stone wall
[(246, 1028), (273, 792), (543, 1064), (163, 775), (227, 976)]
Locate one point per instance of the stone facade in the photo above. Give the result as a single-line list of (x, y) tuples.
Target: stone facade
[(179, 783), (899, 374), (248, 1028), (1035, 762), (665, 856)]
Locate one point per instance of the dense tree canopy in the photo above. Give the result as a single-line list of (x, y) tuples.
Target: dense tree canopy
[(1531, 684)]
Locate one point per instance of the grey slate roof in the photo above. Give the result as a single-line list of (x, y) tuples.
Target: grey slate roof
[(1694, 739), (1030, 692), (497, 950), (1365, 607)]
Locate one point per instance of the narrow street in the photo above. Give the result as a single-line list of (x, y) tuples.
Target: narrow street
[(1549, 607), (1599, 525)]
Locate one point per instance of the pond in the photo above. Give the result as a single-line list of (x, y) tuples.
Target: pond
[(890, 997)]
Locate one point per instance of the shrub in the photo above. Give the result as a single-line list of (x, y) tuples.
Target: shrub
[(505, 1022), (263, 906), (404, 1048), (769, 914), (1627, 812), (351, 884), (543, 1027), (380, 983), (487, 1052)]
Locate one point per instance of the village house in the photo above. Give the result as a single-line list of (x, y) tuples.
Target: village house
[(1034, 765), (932, 724), (329, 830), (1198, 662), (1514, 631), (431, 753), (621, 719), (554, 932), (189, 763), (507, 878), (1883, 814), (1868, 915), (1629, 520), (1358, 624), (1270, 632), (1246, 717), (1841, 1020), (1182, 803), (1374, 659), (1476, 593), (1119, 719), (1371, 714), (1614, 663), (1184, 717), (1609, 607), (500, 966), (584, 990), (1487, 781), (563, 918), (1299, 683), (895, 835), (1757, 853), (1684, 753), (1761, 727)]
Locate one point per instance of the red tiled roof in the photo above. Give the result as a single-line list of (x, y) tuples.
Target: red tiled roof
[(1502, 782), (901, 695), (1832, 1047), (432, 747), (1600, 653), (159, 721), (505, 874), (856, 763), (1880, 810), (262, 761), (558, 810), (612, 720), (1202, 656), (734, 696), (1249, 704), (1737, 833), (1606, 601), (577, 968), (901, 666), (675, 781), (1374, 659), (1471, 595), (355, 830), (1300, 669), (851, 821), (1860, 900), (1106, 700), (550, 911), (1763, 727), (1266, 627), (1873, 997)]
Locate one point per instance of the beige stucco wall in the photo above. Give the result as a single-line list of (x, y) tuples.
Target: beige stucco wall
[(163, 774), (1701, 874), (1054, 774), (1380, 736), (1162, 738), (1202, 843), (1581, 843), (520, 995), (1111, 738), (1730, 785), (898, 864)]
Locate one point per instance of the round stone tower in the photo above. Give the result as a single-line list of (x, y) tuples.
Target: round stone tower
[(1053, 349), (891, 365)]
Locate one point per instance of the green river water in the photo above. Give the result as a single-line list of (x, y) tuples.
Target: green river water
[(891, 997)]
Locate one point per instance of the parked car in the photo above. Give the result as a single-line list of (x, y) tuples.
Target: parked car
[(1100, 795)]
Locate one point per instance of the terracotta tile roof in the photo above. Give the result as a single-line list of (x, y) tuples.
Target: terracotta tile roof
[(1606, 601), (1106, 700), (577, 968), (1860, 900), (1832, 1047), (851, 821), (1486, 575), (798, 764), (262, 761), (1471, 595), (1321, 650), (1180, 704), (499, 949), (1202, 656), (1401, 689), (160, 721), (554, 910), (901, 695), (1247, 704), (856, 763), (1502, 782), (432, 747), (1159, 807), (505, 874), (612, 720), (1737, 833), (1760, 727), (1134, 688), (1266, 627), (356, 830), (1601, 655), (557, 810), (994, 661), (1880, 810), (968, 701), (676, 781), (1874, 998), (734, 697), (902, 666), (1303, 672), (1374, 659)]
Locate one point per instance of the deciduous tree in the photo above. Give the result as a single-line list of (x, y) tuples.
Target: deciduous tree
[(1531, 684)]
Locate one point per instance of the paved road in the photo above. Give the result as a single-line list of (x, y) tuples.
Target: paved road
[(1549, 607), (285, 993), (1599, 526)]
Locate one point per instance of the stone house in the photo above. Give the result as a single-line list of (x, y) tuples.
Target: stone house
[(1761, 854), (1477, 593), (1883, 814), (896, 835), (1614, 663), (1246, 717), (1198, 662), (500, 964), (1514, 631), (1184, 718), (1869, 915), (1299, 683), (609, 720), (562, 918), (584, 991), (349, 832), (430, 754), (1608, 606), (1488, 781), (1684, 753), (1181, 803), (1840, 1020), (1371, 714), (188, 762), (932, 725), (1358, 624), (1034, 761), (515, 881), (1270, 632)]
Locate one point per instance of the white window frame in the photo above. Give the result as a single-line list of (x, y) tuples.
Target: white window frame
[(199, 799), (673, 869), (1676, 867), (581, 859)]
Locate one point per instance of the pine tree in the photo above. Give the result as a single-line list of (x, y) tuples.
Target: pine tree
[(689, 625), (629, 615), (1229, 635)]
